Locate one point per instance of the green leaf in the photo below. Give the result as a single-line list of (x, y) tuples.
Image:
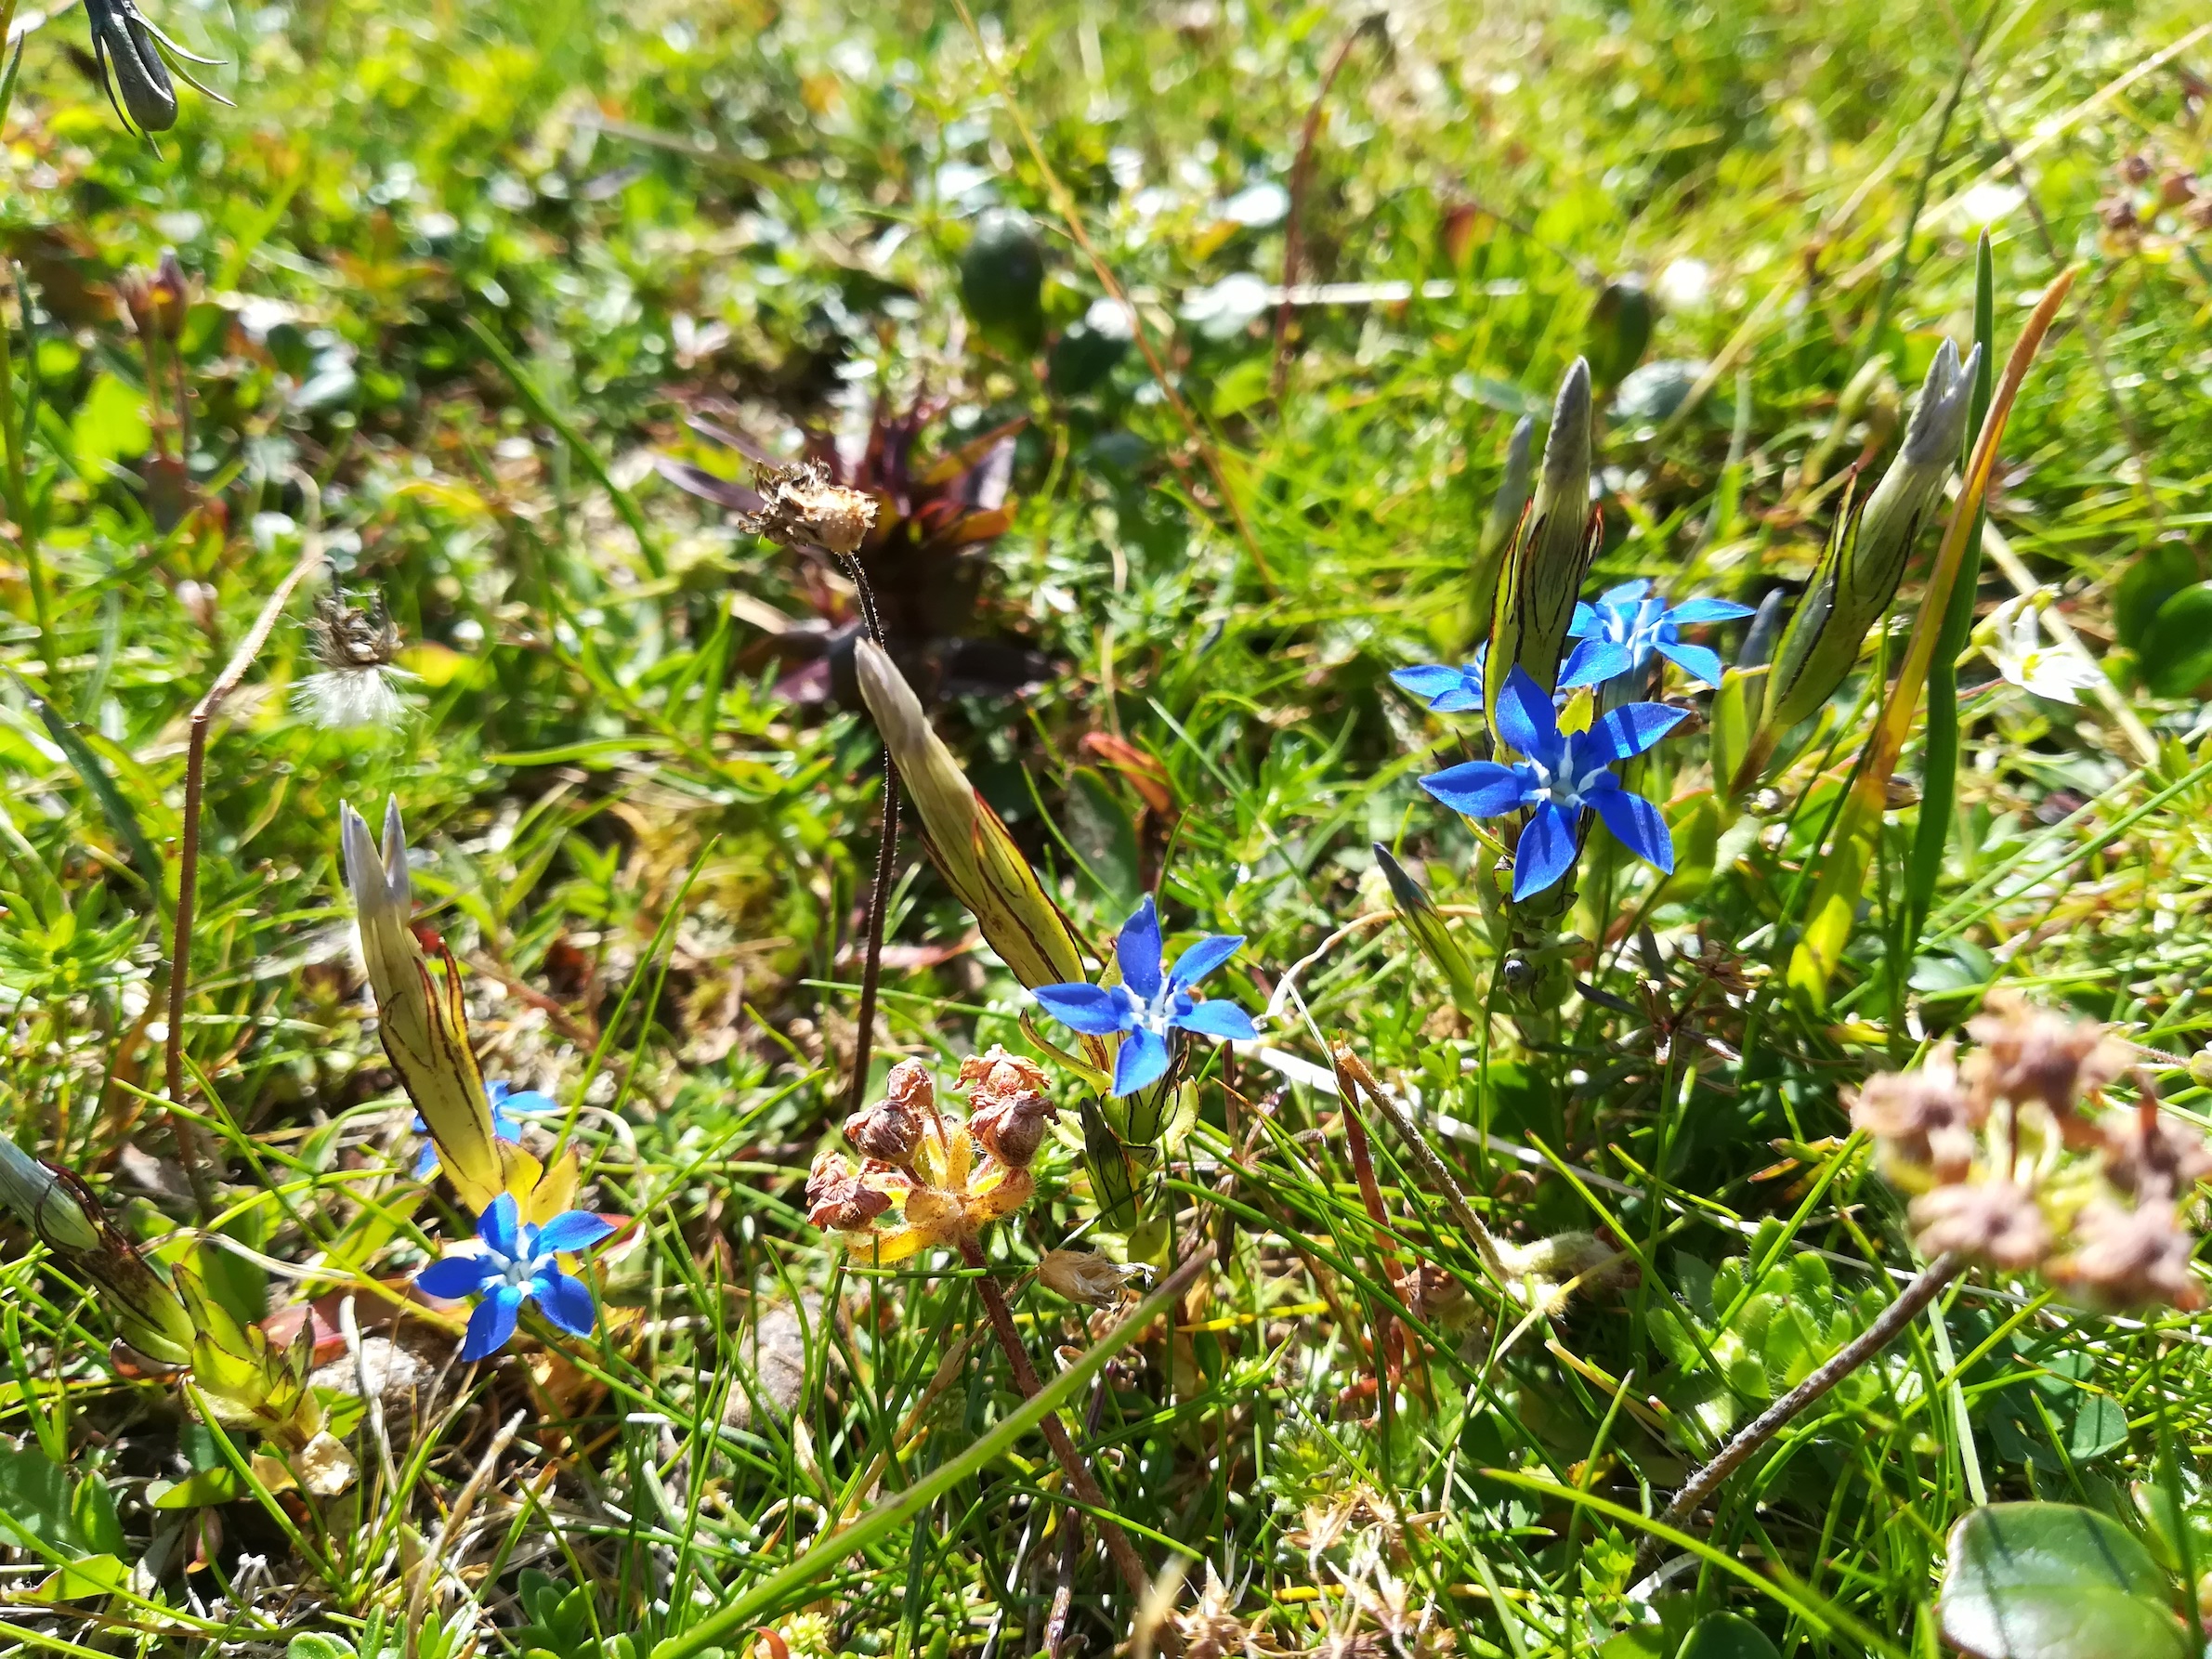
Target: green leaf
[(121, 817), (92, 1513), (2053, 1581), (200, 1491), (34, 1499), (319, 1646), (2025, 1416), (81, 1580), (109, 426), (1104, 837), (1725, 1636), (2177, 648), (2164, 568)]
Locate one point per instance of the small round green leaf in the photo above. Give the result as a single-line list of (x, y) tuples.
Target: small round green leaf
[(2177, 648), (2053, 1581)]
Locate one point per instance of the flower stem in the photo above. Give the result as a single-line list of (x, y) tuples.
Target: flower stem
[(1079, 1480), (886, 869), (1770, 1422)]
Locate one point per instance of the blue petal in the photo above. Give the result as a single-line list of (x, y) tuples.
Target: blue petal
[(1626, 595), (1594, 662), (1479, 789), (501, 1226), (1584, 621), (425, 1163), (1695, 660), (566, 1301), (1141, 1061), (1636, 824), (1627, 731), (528, 1102), (1692, 611), (451, 1277), (1204, 957), (1525, 719), (1138, 951), (1219, 1018), (1466, 695), (1427, 679), (1093, 1010), (493, 1322), (1546, 850), (573, 1230)]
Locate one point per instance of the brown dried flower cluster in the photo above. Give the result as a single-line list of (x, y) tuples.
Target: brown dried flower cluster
[(2014, 1164), (946, 1179), (800, 506)]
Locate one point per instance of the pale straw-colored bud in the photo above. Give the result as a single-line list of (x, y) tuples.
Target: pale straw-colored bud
[(1086, 1276)]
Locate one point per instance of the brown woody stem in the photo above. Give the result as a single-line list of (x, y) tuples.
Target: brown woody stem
[(886, 870), (1079, 1480), (1770, 1422)]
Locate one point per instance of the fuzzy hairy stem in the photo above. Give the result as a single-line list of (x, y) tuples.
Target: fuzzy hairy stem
[(1079, 1479), (886, 871), (1893, 1320)]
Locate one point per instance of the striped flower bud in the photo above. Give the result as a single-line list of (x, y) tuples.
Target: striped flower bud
[(1435, 940), (1544, 569), (1504, 516), (1865, 560)]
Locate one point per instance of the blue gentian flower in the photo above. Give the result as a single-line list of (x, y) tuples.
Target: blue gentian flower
[(1559, 774), (1148, 1004), (514, 1263), (1447, 690), (1630, 623), (506, 1103)]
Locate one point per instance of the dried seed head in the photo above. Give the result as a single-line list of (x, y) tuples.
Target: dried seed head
[(801, 506), (2151, 1157), (838, 1196), (1086, 1276), (1925, 1118), (997, 1073), (1011, 1127), (2125, 1257), (356, 650), (1996, 1222), (2029, 1054), (890, 1130)]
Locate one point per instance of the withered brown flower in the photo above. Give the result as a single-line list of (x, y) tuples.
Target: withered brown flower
[(1996, 1222), (1925, 1118), (2149, 1156), (891, 1128), (800, 505), (839, 1196), (2130, 1256), (2028, 1054)]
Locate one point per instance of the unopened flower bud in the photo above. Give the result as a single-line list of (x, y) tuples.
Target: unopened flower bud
[(1086, 1276), (891, 1128), (838, 1197)]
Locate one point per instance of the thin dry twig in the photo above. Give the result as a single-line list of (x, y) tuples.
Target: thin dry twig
[(188, 870), (457, 1518)]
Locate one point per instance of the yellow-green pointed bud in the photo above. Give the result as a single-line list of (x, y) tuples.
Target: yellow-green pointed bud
[(965, 839), (1429, 931), (1865, 560), (1620, 325), (423, 1023), (68, 1221), (1544, 570), (1506, 508)]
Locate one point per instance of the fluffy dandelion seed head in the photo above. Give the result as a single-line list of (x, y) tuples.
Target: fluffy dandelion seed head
[(360, 679)]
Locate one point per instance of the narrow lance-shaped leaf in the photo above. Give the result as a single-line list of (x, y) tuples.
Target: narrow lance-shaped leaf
[(423, 1024), (1543, 571), (1436, 942), (1865, 560)]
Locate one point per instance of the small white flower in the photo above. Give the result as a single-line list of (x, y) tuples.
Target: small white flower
[(2013, 642)]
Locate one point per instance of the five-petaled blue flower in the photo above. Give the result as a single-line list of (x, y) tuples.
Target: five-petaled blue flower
[(1148, 1004), (506, 1102), (1559, 774), (514, 1263), (1630, 623), (1447, 690)]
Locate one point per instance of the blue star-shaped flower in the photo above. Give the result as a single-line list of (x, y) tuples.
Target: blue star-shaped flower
[(1148, 1004), (506, 1102), (514, 1263), (1447, 690), (1559, 774), (1630, 623)]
